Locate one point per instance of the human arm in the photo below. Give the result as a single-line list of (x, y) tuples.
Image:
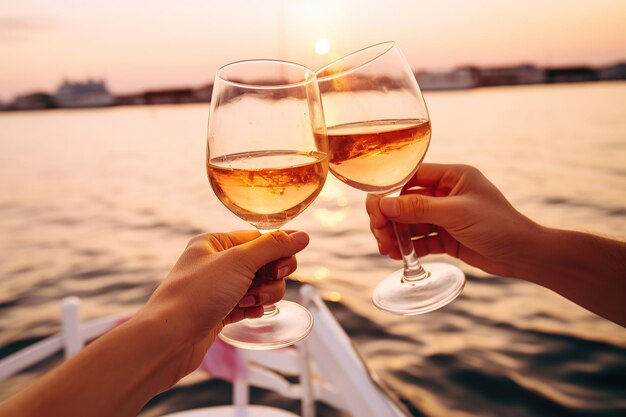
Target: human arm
[(454, 209), (168, 337)]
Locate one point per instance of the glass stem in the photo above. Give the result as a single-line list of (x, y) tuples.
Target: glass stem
[(270, 310), (413, 270)]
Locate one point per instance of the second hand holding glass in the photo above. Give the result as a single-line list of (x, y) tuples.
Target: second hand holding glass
[(378, 133), (266, 162)]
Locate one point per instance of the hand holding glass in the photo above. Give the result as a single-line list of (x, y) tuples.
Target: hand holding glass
[(378, 132), (266, 162)]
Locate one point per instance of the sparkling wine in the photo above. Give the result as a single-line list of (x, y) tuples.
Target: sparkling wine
[(268, 188), (377, 156)]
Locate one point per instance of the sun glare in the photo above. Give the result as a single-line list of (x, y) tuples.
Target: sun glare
[(322, 46)]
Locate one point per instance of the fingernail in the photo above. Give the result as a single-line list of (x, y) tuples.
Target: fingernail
[(301, 238), (390, 207), (265, 299), (249, 301), (282, 272)]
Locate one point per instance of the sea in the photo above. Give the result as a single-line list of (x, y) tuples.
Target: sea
[(99, 203)]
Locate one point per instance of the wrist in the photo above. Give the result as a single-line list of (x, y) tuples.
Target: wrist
[(172, 339), (550, 254), (529, 256)]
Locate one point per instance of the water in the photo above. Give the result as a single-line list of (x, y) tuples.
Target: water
[(100, 203)]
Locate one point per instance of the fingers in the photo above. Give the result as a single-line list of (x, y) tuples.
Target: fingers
[(217, 242), (422, 229), (242, 236), (416, 208), (379, 226), (268, 293), (427, 175), (251, 305), (275, 270), (427, 239), (239, 313), (372, 205), (436, 175), (256, 253), (383, 230), (435, 242), (385, 237)]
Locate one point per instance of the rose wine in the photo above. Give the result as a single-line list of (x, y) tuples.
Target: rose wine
[(268, 188), (377, 156)]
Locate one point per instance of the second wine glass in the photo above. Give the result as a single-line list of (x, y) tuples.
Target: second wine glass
[(266, 162), (378, 133)]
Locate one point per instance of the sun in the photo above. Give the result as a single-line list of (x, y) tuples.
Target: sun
[(322, 46)]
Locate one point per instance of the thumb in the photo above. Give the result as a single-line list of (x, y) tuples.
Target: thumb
[(417, 208), (270, 247)]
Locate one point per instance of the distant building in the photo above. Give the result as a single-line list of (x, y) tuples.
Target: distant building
[(137, 99), (203, 94), (521, 74), (88, 94), (571, 75), (171, 96), (34, 101), (614, 72), (466, 77)]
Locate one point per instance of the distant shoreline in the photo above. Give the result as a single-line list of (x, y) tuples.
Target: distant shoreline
[(94, 95)]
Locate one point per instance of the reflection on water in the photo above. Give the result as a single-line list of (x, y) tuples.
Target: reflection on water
[(329, 219), (321, 273), (334, 212), (99, 204)]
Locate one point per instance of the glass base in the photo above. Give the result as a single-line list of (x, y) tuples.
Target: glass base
[(289, 324), (444, 283)]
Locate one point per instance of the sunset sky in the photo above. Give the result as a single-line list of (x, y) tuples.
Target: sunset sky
[(141, 44)]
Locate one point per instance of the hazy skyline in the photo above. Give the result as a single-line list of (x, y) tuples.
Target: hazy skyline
[(151, 44)]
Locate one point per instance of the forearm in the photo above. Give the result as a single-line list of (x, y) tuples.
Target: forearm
[(587, 269), (115, 375)]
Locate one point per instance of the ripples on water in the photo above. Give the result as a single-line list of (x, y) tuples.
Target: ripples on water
[(100, 203)]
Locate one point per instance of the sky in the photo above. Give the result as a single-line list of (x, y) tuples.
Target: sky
[(141, 44)]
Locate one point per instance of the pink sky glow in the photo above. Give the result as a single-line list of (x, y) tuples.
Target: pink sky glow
[(151, 44)]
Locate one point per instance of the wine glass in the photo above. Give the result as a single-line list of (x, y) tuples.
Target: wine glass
[(378, 133), (266, 162)]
